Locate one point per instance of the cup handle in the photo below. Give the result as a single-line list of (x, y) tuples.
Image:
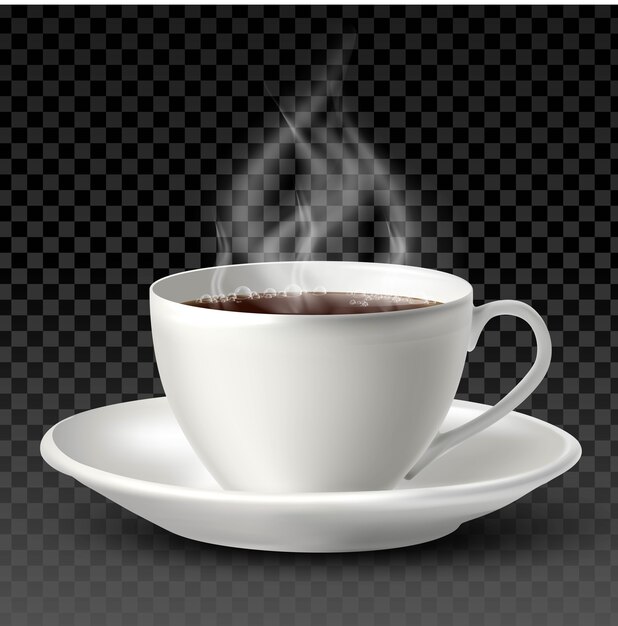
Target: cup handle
[(480, 316)]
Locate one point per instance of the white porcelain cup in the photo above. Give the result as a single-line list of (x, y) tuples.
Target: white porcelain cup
[(314, 403)]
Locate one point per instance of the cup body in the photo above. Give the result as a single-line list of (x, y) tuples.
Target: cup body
[(310, 403)]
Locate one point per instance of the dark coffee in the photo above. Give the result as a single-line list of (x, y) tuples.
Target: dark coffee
[(310, 303)]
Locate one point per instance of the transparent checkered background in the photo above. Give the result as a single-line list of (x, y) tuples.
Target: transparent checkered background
[(125, 133)]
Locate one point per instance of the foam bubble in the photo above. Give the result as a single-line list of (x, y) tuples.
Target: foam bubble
[(319, 291), (270, 292), (352, 301), (242, 293), (364, 303), (292, 291), (255, 295), (205, 298)]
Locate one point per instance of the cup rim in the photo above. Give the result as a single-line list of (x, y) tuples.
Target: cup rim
[(419, 311)]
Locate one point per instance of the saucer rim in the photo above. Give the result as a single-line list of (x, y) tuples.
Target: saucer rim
[(90, 475)]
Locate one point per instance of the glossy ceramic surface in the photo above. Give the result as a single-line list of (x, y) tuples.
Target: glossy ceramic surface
[(303, 403), (136, 455)]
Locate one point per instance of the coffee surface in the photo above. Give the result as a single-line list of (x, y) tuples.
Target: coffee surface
[(311, 303)]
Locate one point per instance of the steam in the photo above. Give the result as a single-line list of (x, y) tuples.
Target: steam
[(315, 189), (305, 231)]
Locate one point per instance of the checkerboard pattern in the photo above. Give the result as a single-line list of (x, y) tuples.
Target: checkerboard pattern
[(140, 141)]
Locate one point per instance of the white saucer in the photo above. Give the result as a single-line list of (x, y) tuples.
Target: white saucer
[(136, 455)]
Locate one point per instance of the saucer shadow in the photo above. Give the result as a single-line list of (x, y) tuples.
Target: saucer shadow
[(512, 528), (503, 531)]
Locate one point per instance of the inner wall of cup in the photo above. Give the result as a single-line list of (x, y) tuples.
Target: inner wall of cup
[(397, 280)]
